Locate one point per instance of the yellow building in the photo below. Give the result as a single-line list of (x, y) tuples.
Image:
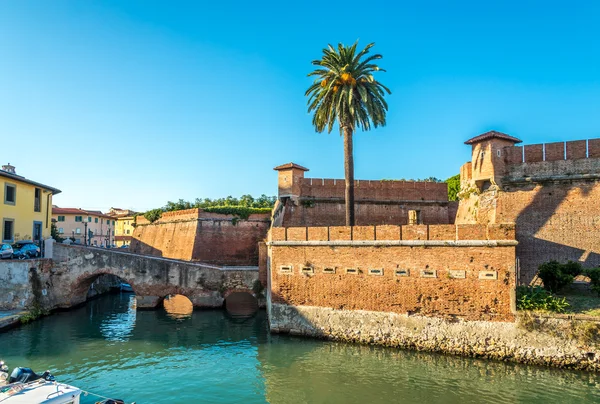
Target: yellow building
[(25, 207), (125, 219)]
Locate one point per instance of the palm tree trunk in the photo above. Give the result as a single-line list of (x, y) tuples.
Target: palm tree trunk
[(349, 173)]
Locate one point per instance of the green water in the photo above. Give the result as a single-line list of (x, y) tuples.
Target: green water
[(149, 357)]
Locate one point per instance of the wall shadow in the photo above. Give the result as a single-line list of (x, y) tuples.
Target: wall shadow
[(566, 229)]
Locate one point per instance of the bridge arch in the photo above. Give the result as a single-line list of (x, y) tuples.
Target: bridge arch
[(81, 286), (240, 302), (152, 278)]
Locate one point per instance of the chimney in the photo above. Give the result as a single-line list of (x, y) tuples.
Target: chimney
[(9, 169)]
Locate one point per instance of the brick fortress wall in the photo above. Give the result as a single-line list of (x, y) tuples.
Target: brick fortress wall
[(550, 191), (200, 236), (321, 202), (465, 271)]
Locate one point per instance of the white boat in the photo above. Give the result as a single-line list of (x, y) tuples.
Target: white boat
[(24, 386), (39, 392)]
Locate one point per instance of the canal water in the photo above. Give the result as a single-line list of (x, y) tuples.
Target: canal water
[(211, 357)]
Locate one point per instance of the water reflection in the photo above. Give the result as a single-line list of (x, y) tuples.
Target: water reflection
[(150, 357), (303, 371), (118, 326), (241, 304), (178, 307)]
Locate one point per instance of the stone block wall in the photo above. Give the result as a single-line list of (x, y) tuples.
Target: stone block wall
[(22, 282), (463, 272)]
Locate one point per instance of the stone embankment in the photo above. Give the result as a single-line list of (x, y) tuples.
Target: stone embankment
[(532, 339)]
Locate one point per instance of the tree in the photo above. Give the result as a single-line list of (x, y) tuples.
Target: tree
[(345, 91), (54, 233), (453, 187)]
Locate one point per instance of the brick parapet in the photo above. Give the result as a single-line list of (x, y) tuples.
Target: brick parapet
[(557, 151), (460, 232), (374, 190)]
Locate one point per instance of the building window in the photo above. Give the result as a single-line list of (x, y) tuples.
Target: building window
[(113, 232), (37, 200), (61, 218), (78, 230), (499, 153), (8, 228), (89, 219), (78, 218), (113, 222), (96, 220), (127, 231), (61, 230), (10, 194)]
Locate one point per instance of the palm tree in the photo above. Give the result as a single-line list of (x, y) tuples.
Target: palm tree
[(345, 91)]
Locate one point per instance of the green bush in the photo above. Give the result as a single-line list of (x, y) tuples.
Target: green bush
[(243, 212), (572, 268), (556, 275), (153, 215), (594, 275), (536, 298)]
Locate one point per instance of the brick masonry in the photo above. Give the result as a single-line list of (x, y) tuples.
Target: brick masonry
[(356, 269), (194, 235), (320, 201), (551, 196)]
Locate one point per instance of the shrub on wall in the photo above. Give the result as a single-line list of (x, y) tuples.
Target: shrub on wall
[(243, 212), (536, 298), (556, 275), (153, 215), (453, 187)]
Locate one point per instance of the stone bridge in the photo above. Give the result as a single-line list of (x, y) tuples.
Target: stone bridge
[(64, 282)]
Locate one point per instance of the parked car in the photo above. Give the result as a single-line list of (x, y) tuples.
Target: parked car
[(6, 251), (124, 246), (26, 250)]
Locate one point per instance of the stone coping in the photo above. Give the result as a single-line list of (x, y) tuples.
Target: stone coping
[(399, 243), (550, 178), (152, 257)]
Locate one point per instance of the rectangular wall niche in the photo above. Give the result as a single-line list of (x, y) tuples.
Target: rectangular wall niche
[(352, 271), (376, 271), (308, 270), (328, 270), (402, 272), (457, 274), (429, 273), (490, 275), (285, 269)]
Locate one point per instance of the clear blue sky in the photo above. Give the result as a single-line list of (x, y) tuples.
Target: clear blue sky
[(134, 103)]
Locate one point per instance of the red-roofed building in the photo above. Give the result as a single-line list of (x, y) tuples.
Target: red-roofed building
[(90, 227)]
